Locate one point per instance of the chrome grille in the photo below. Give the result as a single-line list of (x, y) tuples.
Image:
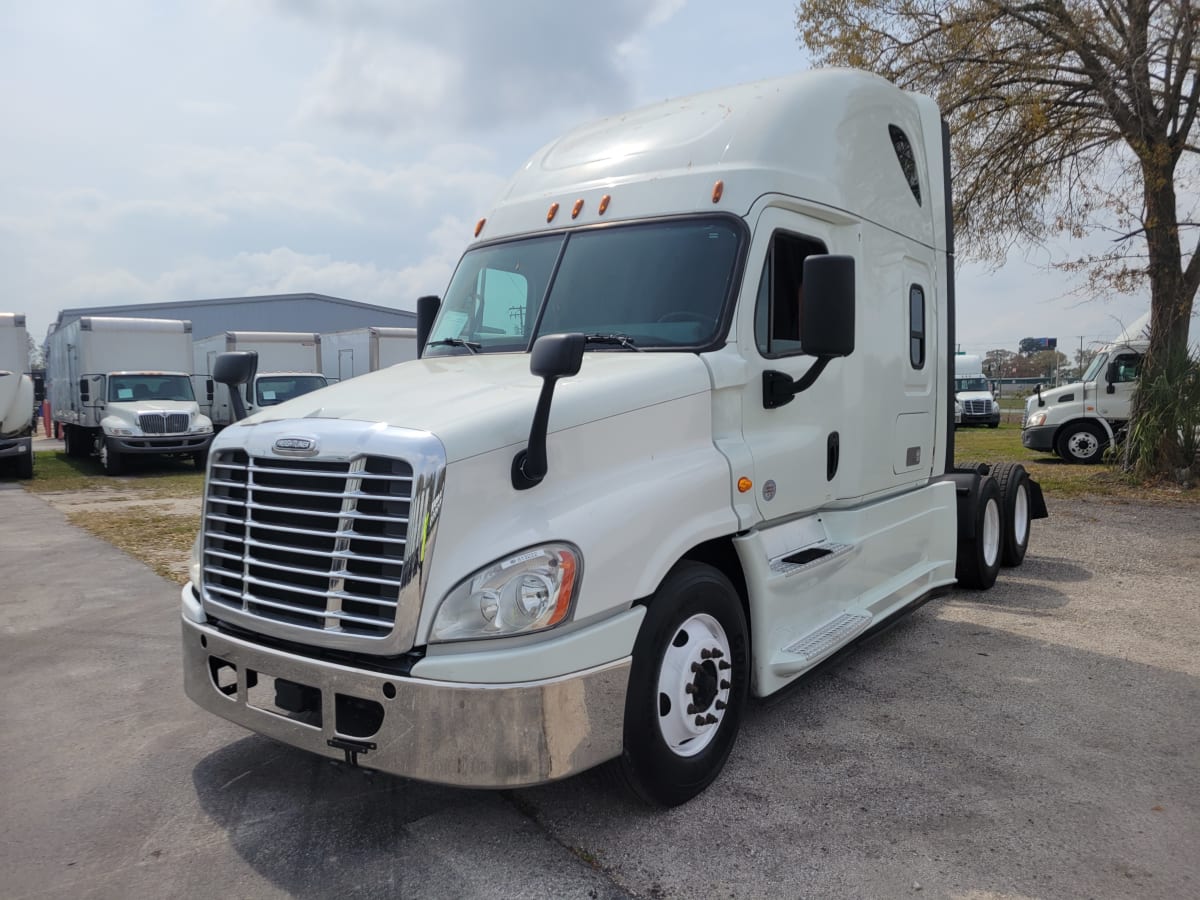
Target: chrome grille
[(163, 423), (311, 543), (977, 407)]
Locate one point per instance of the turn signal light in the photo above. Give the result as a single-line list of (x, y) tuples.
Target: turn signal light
[(718, 190), (744, 484), (576, 209), (479, 226), (604, 201), (553, 211)]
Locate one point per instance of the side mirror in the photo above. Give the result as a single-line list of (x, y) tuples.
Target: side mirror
[(85, 390), (1112, 374), (427, 310), (554, 356), (827, 311), (208, 389), (233, 369), (826, 325)]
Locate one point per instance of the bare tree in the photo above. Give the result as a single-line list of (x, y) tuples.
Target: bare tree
[(1068, 117)]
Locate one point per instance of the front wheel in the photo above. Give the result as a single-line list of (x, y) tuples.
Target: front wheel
[(1081, 442), (688, 686), (114, 463)]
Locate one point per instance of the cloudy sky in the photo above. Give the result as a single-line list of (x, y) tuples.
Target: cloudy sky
[(169, 150)]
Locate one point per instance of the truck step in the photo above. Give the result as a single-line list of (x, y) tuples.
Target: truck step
[(825, 640), (808, 557)]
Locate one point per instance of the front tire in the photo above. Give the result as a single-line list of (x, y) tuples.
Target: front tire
[(688, 686), (978, 561), (1081, 442), (114, 463)]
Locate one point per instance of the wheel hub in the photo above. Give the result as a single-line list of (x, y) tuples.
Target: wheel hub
[(694, 685)]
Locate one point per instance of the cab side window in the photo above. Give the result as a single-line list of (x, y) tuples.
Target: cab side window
[(1128, 368), (781, 294)]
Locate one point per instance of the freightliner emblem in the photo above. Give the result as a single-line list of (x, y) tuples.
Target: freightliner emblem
[(295, 444)]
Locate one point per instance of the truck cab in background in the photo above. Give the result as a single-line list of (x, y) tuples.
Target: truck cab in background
[(16, 397), (973, 394), (120, 387), (289, 364), (681, 430), (1079, 421)]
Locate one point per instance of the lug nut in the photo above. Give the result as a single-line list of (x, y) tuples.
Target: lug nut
[(692, 709), (717, 654), (724, 685), (689, 688), (705, 654), (711, 719), (720, 704), (723, 665), (699, 720)]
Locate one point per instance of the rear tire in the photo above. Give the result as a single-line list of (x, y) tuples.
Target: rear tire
[(688, 686), (978, 561), (1014, 502)]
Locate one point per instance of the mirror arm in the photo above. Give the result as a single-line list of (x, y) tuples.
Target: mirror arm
[(779, 388), (530, 465)]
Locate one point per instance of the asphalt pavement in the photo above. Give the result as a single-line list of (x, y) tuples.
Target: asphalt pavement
[(1037, 740)]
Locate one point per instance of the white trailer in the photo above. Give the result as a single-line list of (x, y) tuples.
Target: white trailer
[(289, 364), (362, 350), (16, 397), (121, 387), (455, 571)]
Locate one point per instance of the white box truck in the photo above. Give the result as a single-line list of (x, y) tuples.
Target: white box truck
[(973, 393), (362, 350), (289, 364), (16, 397), (682, 429), (121, 387)]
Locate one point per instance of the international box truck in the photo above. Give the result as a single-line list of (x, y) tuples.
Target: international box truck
[(16, 397), (289, 364), (121, 387), (682, 429), (362, 350)]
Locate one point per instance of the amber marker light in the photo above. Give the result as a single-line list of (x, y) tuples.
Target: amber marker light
[(577, 209), (479, 226), (552, 212), (744, 484), (718, 190), (604, 201)]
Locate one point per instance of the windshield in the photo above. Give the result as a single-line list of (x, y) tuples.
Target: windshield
[(122, 388), (278, 388), (1098, 362), (660, 285), (977, 383)]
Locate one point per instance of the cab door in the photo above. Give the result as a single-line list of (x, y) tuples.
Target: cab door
[(796, 447), (1114, 396)]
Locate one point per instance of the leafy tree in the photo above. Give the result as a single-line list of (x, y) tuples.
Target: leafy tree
[(998, 363), (1069, 118)]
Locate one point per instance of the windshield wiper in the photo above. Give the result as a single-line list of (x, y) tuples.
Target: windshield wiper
[(455, 342), (621, 340)]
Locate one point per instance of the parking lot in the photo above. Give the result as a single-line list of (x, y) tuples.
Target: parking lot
[(1037, 740)]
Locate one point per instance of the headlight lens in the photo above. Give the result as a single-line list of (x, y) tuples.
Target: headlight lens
[(203, 429), (120, 431), (194, 562), (1038, 418), (995, 406), (528, 591)]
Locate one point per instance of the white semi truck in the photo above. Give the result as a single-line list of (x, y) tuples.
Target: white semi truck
[(289, 364), (975, 398), (1078, 421), (362, 350), (633, 480), (121, 387), (16, 397)]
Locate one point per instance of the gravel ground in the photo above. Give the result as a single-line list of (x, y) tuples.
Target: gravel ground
[(1037, 740)]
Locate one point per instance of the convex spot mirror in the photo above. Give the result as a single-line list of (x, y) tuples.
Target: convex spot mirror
[(827, 306), (235, 367)]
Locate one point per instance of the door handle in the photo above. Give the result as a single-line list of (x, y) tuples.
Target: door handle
[(833, 452)]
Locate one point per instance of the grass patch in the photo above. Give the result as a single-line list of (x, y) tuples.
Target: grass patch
[(153, 477), (1058, 478), (162, 541)]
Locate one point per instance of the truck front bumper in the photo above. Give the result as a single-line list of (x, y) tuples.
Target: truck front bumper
[(989, 419), (18, 447), (176, 443), (1040, 437), (469, 735)]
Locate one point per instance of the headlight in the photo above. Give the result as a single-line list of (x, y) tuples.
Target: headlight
[(125, 431), (1038, 418), (995, 406), (529, 591), (203, 429)]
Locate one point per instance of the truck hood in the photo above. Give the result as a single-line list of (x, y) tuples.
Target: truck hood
[(1055, 395), (475, 404)]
